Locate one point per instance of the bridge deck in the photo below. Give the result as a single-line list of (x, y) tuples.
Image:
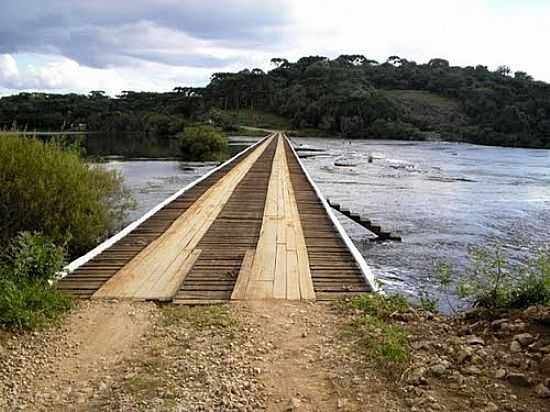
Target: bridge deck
[(256, 228)]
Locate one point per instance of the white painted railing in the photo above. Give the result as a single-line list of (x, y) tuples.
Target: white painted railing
[(365, 269)]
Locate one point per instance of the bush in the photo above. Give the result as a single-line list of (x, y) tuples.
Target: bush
[(49, 188), (491, 282), (32, 256), (27, 297), (27, 304), (203, 143)]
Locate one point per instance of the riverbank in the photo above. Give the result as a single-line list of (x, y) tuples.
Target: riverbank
[(274, 356)]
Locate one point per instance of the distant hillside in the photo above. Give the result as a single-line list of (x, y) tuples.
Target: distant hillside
[(435, 115), (351, 96), (358, 97)]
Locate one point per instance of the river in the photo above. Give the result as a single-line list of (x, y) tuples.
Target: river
[(443, 198)]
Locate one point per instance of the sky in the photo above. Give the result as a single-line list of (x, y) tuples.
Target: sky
[(64, 46)]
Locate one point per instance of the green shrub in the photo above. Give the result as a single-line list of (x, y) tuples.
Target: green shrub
[(27, 297), (203, 143), (32, 256), (491, 282), (28, 303), (49, 188)]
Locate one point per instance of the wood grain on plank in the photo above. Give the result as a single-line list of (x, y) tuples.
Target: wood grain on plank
[(152, 273)]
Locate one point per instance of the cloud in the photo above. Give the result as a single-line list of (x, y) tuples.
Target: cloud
[(104, 33), (77, 45), (466, 32)]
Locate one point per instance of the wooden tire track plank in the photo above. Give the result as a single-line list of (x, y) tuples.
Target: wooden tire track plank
[(158, 270), (280, 267), (128, 247), (334, 271), (228, 241)]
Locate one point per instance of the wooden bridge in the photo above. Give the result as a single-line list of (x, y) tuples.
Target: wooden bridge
[(256, 227)]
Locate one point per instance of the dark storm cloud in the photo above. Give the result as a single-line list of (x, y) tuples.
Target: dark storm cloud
[(103, 33)]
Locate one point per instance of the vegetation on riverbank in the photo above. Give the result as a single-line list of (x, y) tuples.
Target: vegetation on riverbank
[(48, 188), (352, 96), (53, 205), (28, 297)]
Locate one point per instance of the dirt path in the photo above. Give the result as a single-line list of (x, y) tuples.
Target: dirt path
[(265, 356), (63, 367), (308, 368), (274, 356)]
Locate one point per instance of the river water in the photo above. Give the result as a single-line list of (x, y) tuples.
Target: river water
[(443, 198)]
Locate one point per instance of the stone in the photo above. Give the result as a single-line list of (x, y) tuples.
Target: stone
[(475, 340), (417, 376), (293, 404), (341, 403), (464, 354), (545, 365), (500, 373), (515, 347), (519, 379), (438, 370), (472, 370), (542, 391), (490, 407), (524, 339), (545, 349)]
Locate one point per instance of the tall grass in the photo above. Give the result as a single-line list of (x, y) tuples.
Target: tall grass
[(48, 188)]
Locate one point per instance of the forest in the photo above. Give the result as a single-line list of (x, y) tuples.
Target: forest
[(351, 96)]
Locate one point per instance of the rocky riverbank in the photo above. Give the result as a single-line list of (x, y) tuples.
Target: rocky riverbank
[(478, 361)]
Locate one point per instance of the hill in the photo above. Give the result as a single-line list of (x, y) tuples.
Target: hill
[(351, 96)]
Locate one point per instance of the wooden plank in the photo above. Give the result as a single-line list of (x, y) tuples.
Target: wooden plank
[(158, 262), (279, 285), (239, 292), (292, 277)]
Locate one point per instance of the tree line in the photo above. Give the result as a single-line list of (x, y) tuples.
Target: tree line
[(346, 96)]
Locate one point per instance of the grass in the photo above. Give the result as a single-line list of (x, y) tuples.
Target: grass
[(200, 317), (385, 342), (262, 120), (423, 97)]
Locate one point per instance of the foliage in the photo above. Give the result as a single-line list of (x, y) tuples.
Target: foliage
[(386, 342), (492, 282), (32, 256), (351, 95), (380, 306), (27, 304), (48, 188), (202, 143), (27, 297)]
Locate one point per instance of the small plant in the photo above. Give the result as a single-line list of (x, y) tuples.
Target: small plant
[(32, 256), (386, 342), (380, 306), (491, 282), (428, 303), (27, 298)]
